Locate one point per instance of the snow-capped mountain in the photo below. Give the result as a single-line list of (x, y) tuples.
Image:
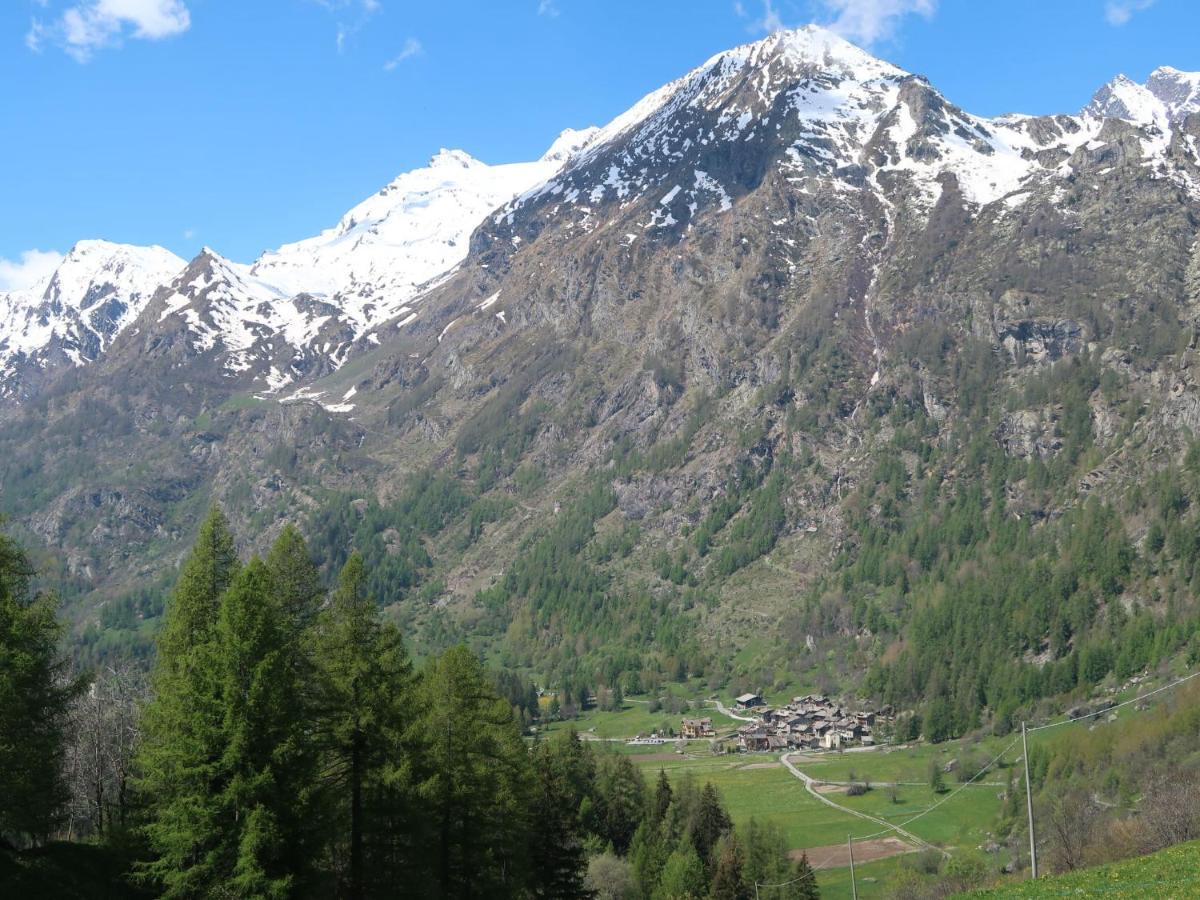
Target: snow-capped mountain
[(1167, 98), (71, 316), (795, 249), (833, 118), (391, 244), (804, 107), (297, 311)]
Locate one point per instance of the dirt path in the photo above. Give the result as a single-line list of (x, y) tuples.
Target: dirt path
[(837, 856), (721, 708), (810, 785)]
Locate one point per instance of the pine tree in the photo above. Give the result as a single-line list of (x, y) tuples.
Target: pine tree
[(727, 879), (191, 617), (267, 769), (365, 721), (179, 758), (575, 762), (296, 578), (804, 886), (937, 779), (558, 861), (622, 800), (662, 798), (35, 698), (711, 821), (475, 782), (226, 760), (767, 863)]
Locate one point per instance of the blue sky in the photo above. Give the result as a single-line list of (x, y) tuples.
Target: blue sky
[(244, 124)]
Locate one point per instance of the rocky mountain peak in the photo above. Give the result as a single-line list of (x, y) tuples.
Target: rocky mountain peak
[(569, 142), (814, 46), (71, 316), (1178, 91), (1167, 97)]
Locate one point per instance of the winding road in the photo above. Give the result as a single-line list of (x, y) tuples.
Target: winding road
[(725, 711), (810, 784)]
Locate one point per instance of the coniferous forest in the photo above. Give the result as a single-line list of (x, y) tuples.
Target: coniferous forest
[(285, 744)]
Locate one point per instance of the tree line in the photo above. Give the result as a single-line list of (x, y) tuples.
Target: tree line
[(284, 744)]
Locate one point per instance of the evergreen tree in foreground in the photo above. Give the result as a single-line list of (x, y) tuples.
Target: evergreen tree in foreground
[(191, 617), (365, 719), (728, 882), (179, 758), (475, 784), (34, 700), (227, 764), (267, 768), (558, 861), (296, 579)]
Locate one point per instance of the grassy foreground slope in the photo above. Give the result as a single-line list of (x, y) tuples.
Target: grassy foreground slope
[(1166, 875)]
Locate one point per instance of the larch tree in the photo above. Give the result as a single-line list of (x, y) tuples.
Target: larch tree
[(267, 777), (296, 579), (475, 782), (365, 713), (35, 697), (178, 762)]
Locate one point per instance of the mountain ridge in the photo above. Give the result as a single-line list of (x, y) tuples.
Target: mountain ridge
[(776, 361), (390, 248)]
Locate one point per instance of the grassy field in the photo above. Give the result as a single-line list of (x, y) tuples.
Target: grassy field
[(871, 880), (1167, 875), (961, 822), (755, 786)]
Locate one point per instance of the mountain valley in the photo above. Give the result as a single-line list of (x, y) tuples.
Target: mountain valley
[(787, 375)]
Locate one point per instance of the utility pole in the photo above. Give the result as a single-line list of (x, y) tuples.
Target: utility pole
[(1029, 802), (853, 883)]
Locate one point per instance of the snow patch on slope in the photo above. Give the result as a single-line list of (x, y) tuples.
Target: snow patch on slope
[(95, 292)]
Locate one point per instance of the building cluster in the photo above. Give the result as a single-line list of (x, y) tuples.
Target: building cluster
[(812, 722)]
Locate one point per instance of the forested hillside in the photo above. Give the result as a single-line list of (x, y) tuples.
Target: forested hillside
[(834, 403), (286, 745)]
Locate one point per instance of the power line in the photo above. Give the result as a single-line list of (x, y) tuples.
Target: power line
[(897, 828), (962, 787), (1108, 709), (1001, 754)]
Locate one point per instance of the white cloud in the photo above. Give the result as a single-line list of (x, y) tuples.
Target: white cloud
[(869, 21), (91, 25), (367, 9), (1118, 12), (32, 267), (412, 47), (548, 8), (770, 21)]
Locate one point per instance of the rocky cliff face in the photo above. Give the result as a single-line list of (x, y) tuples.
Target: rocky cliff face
[(786, 254), (70, 318)]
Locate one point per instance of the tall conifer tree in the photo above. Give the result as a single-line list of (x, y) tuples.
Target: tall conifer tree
[(179, 758), (476, 782), (267, 770), (365, 720), (34, 701)]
